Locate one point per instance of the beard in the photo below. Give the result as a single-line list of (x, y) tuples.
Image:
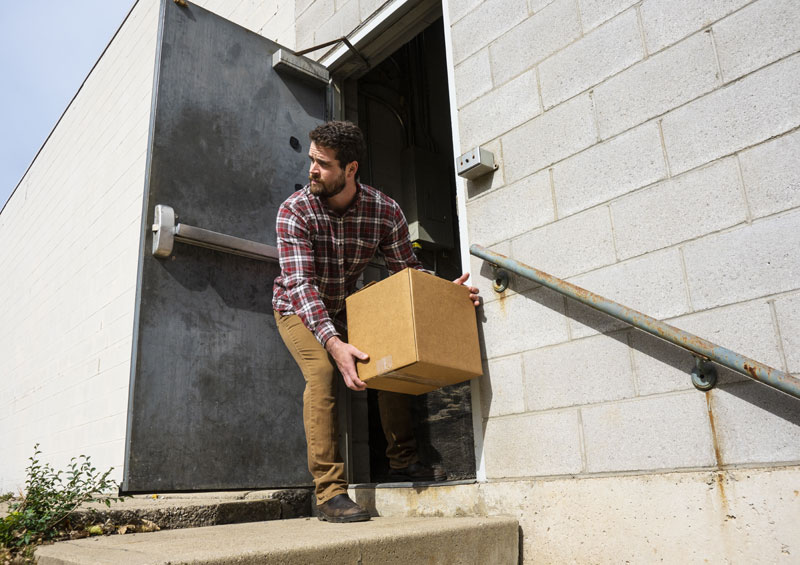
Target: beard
[(327, 189)]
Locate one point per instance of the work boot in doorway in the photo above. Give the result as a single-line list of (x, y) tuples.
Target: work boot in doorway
[(341, 509), (417, 472)]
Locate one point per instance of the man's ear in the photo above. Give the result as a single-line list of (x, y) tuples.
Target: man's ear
[(351, 169)]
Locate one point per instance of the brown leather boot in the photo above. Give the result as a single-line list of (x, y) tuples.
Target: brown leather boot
[(341, 509)]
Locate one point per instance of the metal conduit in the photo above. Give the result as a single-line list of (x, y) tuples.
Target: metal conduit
[(703, 377)]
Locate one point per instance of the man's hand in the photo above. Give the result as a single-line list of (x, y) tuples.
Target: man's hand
[(345, 356), (473, 292)]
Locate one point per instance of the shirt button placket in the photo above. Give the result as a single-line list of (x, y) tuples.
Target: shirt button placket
[(340, 259)]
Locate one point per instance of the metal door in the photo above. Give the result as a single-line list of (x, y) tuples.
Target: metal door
[(215, 398)]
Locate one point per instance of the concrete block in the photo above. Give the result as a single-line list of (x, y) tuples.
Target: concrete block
[(488, 117), (585, 321), (664, 432), (606, 170), (473, 77), (762, 105), (596, 12), (558, 133), (745, 263), (757, 35), (771, 175), (567, 247), (302, 5), (787, 309), (666, 23), (511, 210), (586, 371), (502, 389), (535, 39), (460, 8), (659, 365), (533, 445), (536, 5), (523, 321), (369, 7), (594, 57), (732, 516), (310, 21), (755, 424), (691, 205), (656, 85), (343, 21), (485, 24), (745, 328), (652, 284)]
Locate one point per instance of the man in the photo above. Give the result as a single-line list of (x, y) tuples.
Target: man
[(327, 234)]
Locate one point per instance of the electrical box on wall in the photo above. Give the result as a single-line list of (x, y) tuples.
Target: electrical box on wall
[(475, 163)]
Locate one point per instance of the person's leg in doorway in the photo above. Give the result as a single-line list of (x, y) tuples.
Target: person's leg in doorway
[(320, 422), (401, 444)]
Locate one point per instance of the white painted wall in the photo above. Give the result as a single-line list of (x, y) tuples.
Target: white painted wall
[(69, 243)]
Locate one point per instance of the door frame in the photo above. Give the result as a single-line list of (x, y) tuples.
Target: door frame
[(405, 19)]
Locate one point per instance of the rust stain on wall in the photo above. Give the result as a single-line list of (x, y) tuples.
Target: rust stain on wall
[(719, 476)]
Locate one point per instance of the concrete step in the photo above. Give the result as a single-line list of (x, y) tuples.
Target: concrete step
[(191, 510), (302, 541)]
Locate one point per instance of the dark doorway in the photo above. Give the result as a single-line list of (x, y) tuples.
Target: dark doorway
[(403, 108)]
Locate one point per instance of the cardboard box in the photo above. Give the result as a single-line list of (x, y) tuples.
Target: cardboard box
[(420, 332)]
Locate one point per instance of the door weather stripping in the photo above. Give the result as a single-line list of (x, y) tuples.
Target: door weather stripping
[(166, 232), (703, 376)]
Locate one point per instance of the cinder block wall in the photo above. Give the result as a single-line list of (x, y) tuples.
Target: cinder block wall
[(69, 244), (318, 21), (649, 151)]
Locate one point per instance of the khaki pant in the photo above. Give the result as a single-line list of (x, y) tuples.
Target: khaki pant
[(319, 412)]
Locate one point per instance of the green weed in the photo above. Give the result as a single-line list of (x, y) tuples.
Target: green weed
[(50, 498)]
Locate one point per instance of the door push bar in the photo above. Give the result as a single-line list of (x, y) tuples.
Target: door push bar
[(166, 232)]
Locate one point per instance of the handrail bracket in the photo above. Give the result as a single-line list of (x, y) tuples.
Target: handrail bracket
[(704, 374), (500, 278)]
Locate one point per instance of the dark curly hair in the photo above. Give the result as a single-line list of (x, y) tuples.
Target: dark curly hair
[(345, 138)]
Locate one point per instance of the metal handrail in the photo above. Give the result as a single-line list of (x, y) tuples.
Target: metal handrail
[(703, 377)]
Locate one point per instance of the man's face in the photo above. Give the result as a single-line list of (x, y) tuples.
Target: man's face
[(326, 176)]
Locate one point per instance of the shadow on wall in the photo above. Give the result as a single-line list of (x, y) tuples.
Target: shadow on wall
[(762, 396)]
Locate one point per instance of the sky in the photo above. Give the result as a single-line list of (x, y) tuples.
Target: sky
[(47, 48)]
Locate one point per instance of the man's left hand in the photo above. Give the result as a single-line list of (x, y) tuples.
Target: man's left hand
[(473, 291)]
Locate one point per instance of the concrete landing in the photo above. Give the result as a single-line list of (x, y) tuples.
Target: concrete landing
[(301, 541)]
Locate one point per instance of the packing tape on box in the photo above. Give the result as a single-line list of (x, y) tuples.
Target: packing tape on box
[(384, 364)]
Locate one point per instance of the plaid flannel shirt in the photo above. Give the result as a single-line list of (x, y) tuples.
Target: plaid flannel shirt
[(322, 253)]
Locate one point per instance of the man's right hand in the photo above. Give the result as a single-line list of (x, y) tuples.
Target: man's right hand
[(345, 356)]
